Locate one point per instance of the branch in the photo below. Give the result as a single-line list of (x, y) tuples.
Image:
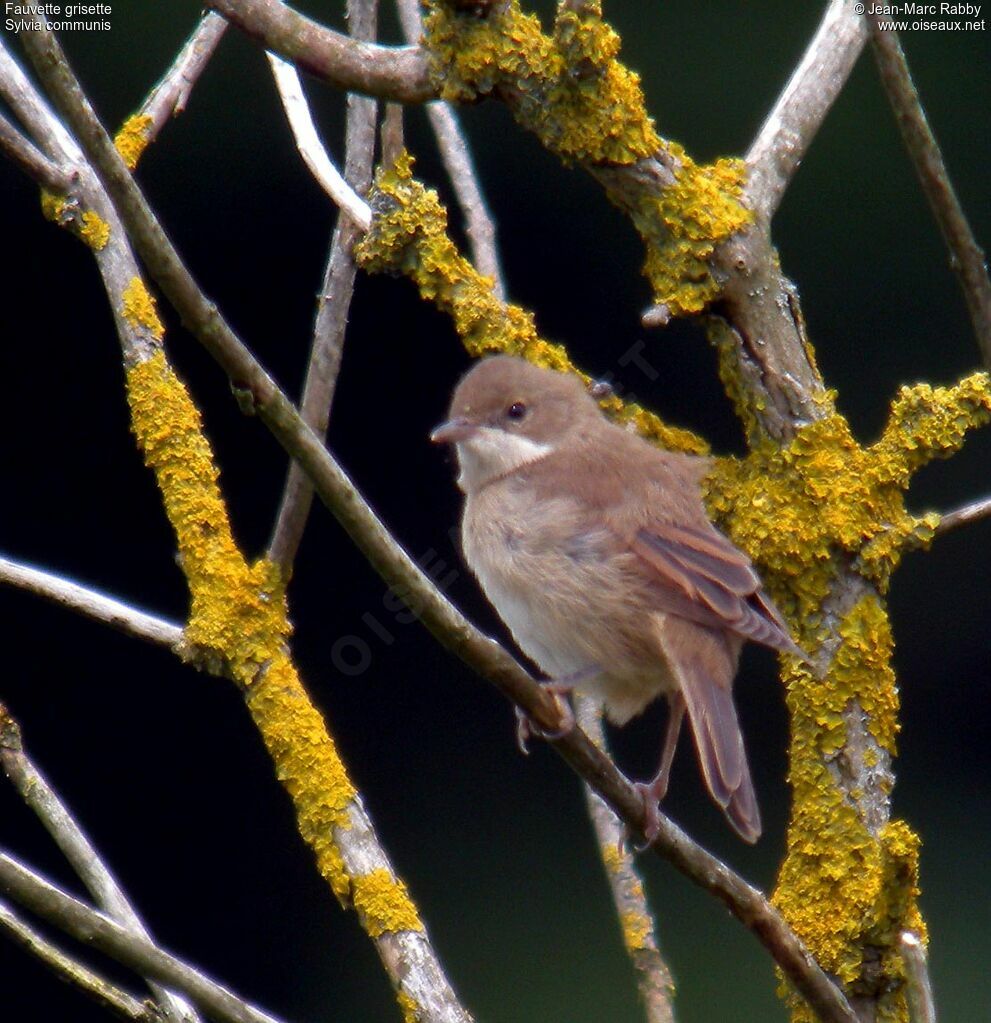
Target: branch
[(333, 305), (138, 953), (311, 148), (117, 999), (31, 160), (91, 603), (388, 558), (792, 124), (479, 225), (966, 256), (636, 921), (921, 1005), (964, 515), (34, 788), (169, 97), (389, 72)]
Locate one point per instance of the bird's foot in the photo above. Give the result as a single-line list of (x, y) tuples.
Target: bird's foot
[(651, 793), (527, 729)]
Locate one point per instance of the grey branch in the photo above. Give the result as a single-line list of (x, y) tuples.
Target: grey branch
[(389, 72), (636, 921), (333, 304), (91, 603), (479, 225), (921, 1005), (137, 953), (980, 509), (169, 97), (388, 558), (31, 160), (88, 980), (34, 788), (966, 256), (786, 135)]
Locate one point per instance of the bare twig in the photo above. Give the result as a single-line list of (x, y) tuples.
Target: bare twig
[(170, 96), (113, 997), (389, 559), (31, 160), (91, 603), (635, 918), (968, 513), (479, 225), (389, 72), (333, 305), (138, 953), (921, 1004), (966, 256), (34, 788), (792, 124), (391, 133), (311, 148)]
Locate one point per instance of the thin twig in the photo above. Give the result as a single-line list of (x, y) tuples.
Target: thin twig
[(964, 515), (91, 603), (636, 921), (453, 146), (966, 256), (169, 97), (918, 989), (34, 788), (389, 559), (137, 953), (31, 160), (792, 124), (86, 979), (311, 148), (333, 305), (392, 133), (390, 72)]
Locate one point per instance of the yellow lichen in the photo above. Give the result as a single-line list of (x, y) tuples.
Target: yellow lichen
[(803, 511), (683, 223), (409, 1007), (95, 231), (612, 859), (238, 621), (85, 224), (138, 308), (132, 139), (636, 927), (409, 236), (568, 88), (384, 904)]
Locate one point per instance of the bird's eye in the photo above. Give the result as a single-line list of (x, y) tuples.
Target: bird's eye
[(517, 410)]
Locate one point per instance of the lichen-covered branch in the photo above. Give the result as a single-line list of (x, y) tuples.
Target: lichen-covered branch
[(169, 98), (636, 921)]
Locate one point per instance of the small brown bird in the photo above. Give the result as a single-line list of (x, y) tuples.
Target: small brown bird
[(595, 549)]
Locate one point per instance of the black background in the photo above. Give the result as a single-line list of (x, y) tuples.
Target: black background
[(162, 764)]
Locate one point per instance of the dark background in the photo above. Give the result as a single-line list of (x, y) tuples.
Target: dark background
[(162, 764)]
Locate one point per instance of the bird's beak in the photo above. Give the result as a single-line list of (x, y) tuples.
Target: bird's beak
[(454, 430)]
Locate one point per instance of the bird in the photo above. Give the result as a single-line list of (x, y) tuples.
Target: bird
[(595, 549)]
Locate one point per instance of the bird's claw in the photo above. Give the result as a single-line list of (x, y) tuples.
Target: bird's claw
[(527, 729)]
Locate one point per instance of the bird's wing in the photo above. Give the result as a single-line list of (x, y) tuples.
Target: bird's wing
[(700, 575), (703, 662)]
